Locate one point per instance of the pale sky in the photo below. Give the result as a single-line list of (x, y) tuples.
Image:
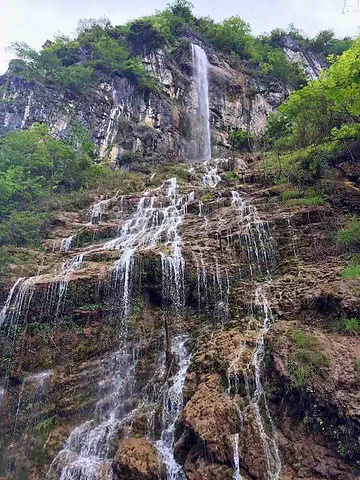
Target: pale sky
[(35, 21)]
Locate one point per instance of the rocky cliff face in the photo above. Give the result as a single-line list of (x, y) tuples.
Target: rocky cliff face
[(123, 119), (311, 62), (194, 342)]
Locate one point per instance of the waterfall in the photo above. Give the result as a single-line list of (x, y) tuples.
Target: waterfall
[(237, 474), (66, 244), (172, 407), (201, 138), (88, 453), (33, 391), (258, 398), (256, 238), (7, 303), (255, 235)]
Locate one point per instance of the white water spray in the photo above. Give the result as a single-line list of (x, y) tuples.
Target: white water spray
[(7, 303), (172, 407), (201, 116)]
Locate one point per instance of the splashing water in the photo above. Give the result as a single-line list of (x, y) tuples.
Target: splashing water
[(258, 241), (258, 398), (211, 177), (99, 209), (153, 223), (7, 303), (66, 244), (27, 110), (201, 116), (89, 450), (68, 267), (237, 475), (172, 407), (16, 307)]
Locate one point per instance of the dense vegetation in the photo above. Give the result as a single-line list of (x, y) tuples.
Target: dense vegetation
[(34, 166), (101, 49), (316, 129), (320, 123), (77, 64)]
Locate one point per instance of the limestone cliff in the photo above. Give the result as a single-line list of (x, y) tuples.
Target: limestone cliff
[(123, 118)]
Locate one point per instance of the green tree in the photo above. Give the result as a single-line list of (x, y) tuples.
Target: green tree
[(146, 35), (34, 165)]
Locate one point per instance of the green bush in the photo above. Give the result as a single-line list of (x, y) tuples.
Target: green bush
[(206, 196), (349, 236), (349, 325), (306, 360), (352, 271), (146, 35), (23, 228), (316, 200), (47, 423), (77, 64), (290, 194), (301, 198), (300, 338), (231, 35), (276, 64), (326, 110), (240, 139), (36, 171)]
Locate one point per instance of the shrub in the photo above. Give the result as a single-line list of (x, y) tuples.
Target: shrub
[(240, 139), (300, 338), (39, 173), (206, 196), (349, 325), (306, 360), (23, 228), (276, 64), (352, 271), (146, 35), (77, 64), (290, 194), (349, 236), (46, 423), (316, 200), (127, 158)]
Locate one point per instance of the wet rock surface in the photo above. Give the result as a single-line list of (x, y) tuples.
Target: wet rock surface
[(137, 459), (242, 406)]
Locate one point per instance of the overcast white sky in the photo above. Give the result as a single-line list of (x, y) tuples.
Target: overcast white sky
[(35, 21)]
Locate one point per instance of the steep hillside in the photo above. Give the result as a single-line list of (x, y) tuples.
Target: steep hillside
[(191, 312)]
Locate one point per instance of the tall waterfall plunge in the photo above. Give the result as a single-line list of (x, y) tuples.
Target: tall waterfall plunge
[(200, 121)]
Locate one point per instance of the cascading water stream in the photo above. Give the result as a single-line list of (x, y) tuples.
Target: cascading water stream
[(66, 244), (88, 452), (257, 237), (152, 224), (258, 243), (237, 474), (7, 303), (172, 407), (211, 177), (201, 115), (33, 391), (258, 398)]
